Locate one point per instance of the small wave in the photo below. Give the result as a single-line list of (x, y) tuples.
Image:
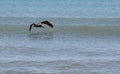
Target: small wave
[(62, 29)]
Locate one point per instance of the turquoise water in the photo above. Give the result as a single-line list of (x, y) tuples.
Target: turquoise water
[(85, 38), (64, 49), (60, 8)]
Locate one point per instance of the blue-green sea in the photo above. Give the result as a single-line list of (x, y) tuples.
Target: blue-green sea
[(85, 38)]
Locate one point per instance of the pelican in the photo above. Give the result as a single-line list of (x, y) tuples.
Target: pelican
[(40, 25)]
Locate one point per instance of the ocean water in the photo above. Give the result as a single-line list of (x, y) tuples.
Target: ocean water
[(60, 8), (85, 38)]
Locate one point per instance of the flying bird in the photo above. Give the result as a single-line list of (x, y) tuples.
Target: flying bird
[(40, 25)]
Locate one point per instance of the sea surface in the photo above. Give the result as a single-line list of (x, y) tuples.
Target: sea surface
[(60, 8), (85, 38)]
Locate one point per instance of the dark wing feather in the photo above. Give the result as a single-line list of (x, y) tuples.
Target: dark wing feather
[(47, 23), (30, 27)]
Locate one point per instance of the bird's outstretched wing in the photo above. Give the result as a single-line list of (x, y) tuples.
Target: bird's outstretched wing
[(47, 23), (30, 27)]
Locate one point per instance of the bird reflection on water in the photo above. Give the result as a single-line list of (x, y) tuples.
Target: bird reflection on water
[(41, 36)]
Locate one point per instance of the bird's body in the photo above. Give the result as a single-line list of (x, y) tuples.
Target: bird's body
[(40, 25)]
